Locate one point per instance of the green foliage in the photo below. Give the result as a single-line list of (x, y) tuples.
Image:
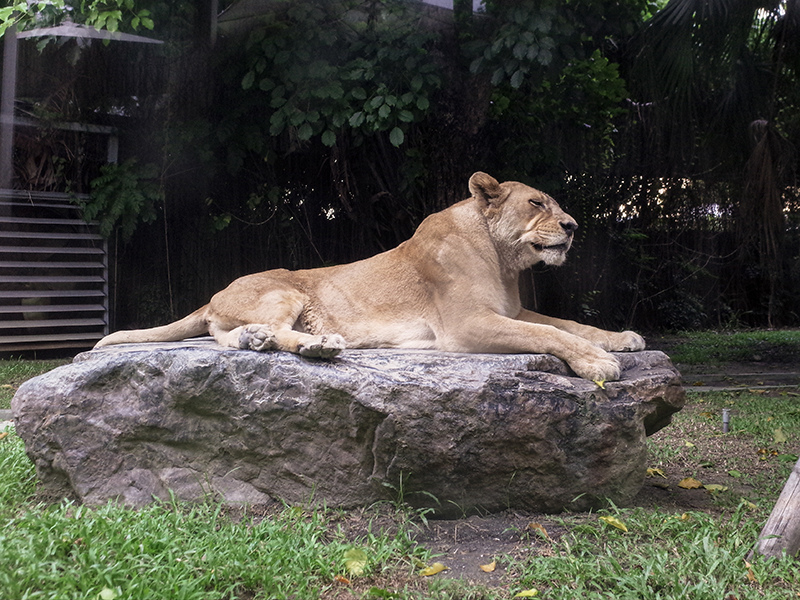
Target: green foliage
[(348, 71), (123, 196), (112, 15)]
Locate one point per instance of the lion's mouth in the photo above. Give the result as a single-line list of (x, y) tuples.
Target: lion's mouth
[(556, 247)]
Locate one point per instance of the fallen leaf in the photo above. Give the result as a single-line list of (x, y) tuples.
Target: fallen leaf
[(355, 560), (689, 445), (690, 483), (433, 569), (751, 577), (601, 383), (614, 522), (107, 594), (779, 437), (707, 414), (342, 580), (749, 505), (735, 474), (656, 472), (715, 487), (3, 435), (527, 593), (538, 527), (490, 567)]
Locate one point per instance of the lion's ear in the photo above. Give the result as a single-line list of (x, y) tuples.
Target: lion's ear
[(484, 187)]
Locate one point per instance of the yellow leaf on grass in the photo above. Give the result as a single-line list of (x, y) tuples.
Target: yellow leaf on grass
[(751, 577), (690, 483), (538, 527), (3, 435), (715, 487), (527, 594), (656, 472), (355, 561), (614, 522), (432, 570), (490, 567), (689, 445), (779, 436)]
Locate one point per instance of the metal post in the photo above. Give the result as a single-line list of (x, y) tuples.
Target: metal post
[(7, 95)]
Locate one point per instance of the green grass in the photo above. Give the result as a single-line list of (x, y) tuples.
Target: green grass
[(709, 347), (693, 555), (15, 371), (173, 551)]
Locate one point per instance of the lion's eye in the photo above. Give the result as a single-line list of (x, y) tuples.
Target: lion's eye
[(536, 203)]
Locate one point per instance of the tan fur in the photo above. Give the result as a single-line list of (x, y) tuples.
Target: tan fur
[(453, 287)]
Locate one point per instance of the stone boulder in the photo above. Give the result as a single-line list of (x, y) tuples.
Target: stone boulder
[(455, 432)]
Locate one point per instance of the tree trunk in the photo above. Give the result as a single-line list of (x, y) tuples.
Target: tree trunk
[(782, 530)]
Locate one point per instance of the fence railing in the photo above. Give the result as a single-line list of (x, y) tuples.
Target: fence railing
[(53, 274)]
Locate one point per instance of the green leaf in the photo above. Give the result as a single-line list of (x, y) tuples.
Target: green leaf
[(423, 103), (397, 137), (357, 119), (248, 79), (406, 116), (304, 132), (329, 138)]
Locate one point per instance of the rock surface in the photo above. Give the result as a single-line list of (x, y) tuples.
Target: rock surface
[(456, 432)]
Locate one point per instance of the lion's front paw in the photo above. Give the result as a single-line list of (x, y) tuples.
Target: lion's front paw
[(257, 337), (322, 346), (628, 341), (600, 367)]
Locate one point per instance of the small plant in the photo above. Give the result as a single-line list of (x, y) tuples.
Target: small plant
[(123, 196)]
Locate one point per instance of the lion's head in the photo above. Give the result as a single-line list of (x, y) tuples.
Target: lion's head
[(527, 225)]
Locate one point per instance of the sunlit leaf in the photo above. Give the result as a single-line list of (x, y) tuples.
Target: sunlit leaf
[(355, 560), (107, 594), (779, 437), (749, 505), (527, 593), (689, 445), (601, 383), (735, 474), (751, 577), (690, 483), (655, 473), (490, 567), (614, 522), (432, 570), (715, 487), (3, 434), (539, 528)]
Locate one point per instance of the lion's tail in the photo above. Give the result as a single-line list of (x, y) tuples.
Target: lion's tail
[(192, 325)]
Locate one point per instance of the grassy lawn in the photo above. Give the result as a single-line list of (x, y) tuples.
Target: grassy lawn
[(672, 543), (712, 347), (14, 371)]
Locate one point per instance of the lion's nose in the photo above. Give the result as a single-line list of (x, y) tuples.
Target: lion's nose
[(568, 225)]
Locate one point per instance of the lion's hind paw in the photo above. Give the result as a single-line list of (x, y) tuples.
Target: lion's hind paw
[(257, 337)]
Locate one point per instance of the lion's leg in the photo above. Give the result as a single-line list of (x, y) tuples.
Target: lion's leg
[(495, 333), (610, 341), (270, 326)]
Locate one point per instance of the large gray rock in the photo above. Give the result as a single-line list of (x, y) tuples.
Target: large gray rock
[(456, 432)]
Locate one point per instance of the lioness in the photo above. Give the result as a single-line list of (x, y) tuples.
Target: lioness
[(453, 287)]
